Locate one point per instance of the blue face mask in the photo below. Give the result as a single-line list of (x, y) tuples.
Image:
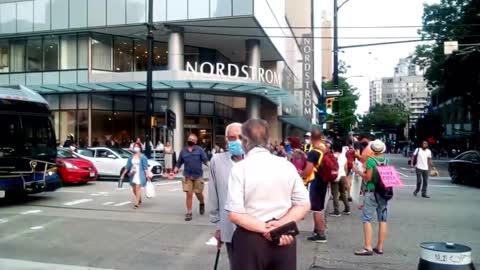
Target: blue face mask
[(235, 148)]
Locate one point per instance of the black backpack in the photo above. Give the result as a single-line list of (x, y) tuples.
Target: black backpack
[(385, 193)]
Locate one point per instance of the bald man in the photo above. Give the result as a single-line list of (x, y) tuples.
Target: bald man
[(193, 157)]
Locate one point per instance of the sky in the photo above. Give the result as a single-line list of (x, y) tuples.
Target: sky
[(374, 61)]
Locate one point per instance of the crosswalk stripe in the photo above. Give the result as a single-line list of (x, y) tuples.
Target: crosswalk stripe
[(108, 203), (23, 264), (122, 203), (31, 212), (77, 202)]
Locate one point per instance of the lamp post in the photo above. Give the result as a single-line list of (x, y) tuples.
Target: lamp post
[(149, 100), (336, 8)]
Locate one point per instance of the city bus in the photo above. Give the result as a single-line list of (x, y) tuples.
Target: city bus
[(27, 144)]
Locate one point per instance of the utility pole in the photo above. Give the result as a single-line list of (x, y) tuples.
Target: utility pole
[(149, 109), (335, 44)]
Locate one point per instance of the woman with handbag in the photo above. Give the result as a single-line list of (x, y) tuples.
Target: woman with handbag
[(138, 173)]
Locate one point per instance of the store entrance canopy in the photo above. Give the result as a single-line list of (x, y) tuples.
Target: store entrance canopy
[(274, 94)]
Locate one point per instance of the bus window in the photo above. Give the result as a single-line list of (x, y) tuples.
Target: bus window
[(9, 135), (39, 136)]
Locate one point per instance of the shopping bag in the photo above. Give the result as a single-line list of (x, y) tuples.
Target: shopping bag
[(150, 190), (356, 188), (434, 172), (120, 182)]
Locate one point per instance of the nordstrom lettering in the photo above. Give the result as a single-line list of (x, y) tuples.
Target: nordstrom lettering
[(234, 71), (307, 67)]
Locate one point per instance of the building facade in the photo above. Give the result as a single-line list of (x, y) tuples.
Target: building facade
[(375, 92), (407, 87), (214, 62)]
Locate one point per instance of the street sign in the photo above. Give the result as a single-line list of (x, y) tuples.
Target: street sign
[(171, 119), (333, 93)]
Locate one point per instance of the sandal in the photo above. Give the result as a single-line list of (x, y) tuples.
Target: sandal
[(135, 206), (378, 251), (364, 252)]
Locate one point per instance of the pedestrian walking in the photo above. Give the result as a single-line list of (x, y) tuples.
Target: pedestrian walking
[(138, 173), (340, 186), (422, 161), (318, 188), (168, 152), (220, 168), (373, 202), (69, 141), (265, 193), (192, 157)]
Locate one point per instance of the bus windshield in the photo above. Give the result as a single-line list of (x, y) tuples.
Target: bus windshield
[(26, 136)]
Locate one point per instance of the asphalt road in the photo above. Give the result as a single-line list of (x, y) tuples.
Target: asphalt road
[(94, 227)]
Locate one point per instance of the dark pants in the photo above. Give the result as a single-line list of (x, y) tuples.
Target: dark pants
[(229, 247), (422, 177), (339, 191), (251, 251)]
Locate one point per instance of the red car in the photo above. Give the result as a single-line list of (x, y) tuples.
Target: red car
[(73, 169)]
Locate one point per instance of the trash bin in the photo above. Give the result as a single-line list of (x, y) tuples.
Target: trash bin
[(445, 256)]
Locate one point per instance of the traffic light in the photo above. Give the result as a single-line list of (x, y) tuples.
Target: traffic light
[(329, 104)]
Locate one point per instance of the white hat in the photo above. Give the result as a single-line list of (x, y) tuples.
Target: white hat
[(377, 146), (308, 134)]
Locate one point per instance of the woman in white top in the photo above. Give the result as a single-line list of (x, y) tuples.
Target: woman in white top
[(168, 150), (137, 170)]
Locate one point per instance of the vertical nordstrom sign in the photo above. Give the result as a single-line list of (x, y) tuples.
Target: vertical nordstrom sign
[(307, 83)]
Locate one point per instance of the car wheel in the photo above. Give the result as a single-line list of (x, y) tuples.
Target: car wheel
[(454, 175)]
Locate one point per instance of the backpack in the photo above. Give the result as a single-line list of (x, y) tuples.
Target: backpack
[(299, 161), (384, 192), (329, 169), (350, 158)]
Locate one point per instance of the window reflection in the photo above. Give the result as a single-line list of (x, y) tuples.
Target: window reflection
[(4, 48), (140, 53), (123, 54), (68, 50), (17, 56), (101, 52), (160, 56), (50, 53), (34, 54)]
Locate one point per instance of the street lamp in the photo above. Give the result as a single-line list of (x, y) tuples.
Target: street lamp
[(336, 7)]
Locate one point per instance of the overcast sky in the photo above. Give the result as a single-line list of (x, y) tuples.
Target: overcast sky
[(375, 61)]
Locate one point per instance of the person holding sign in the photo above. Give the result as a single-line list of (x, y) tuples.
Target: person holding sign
[(373, 202)]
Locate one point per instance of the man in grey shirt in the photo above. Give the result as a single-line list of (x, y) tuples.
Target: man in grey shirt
[(220, 169)]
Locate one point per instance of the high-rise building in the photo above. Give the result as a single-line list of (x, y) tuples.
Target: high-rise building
[(407, 87), (375, 92), (214, 62), (327, 48)]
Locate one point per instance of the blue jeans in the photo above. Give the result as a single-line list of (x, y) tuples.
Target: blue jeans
[(373, 202)]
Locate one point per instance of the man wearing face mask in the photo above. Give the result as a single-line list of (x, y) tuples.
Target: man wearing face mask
[(220, 169), (307, 146), (193, 157)]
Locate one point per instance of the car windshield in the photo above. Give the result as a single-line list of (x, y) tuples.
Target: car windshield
[(122, 153), (62, 153)]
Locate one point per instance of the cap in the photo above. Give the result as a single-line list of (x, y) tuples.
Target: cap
[(377, 146), (308, 134)]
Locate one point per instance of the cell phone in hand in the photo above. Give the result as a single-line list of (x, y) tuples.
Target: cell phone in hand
[(286, 229)]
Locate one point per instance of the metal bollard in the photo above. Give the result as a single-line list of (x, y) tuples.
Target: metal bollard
[(445, 256)]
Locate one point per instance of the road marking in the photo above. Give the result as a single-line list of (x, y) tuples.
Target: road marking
[(439, 186), (70, 191), (36, 228), (31, 212), (211, 242), (405, 169), (167, 183), (100, 194), (3, 220), (122, 203), (174, 189), (77, 202), (22, 264), (402, 174), (108, 203)]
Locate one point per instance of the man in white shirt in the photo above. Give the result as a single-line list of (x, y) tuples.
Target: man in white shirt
[(220, 168), (264, 193), (339, 187), (422, 160)]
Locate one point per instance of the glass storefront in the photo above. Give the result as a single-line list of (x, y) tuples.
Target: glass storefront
[(121, 117)]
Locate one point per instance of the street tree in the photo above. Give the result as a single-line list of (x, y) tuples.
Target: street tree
[(458, 74), (345, 106), (385, 118)]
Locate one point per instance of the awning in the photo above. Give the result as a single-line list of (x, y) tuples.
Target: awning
[(296, 121), (274, 94)]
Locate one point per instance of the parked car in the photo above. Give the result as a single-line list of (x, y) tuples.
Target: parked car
[(74, 169), (465, 168), (111, 162)]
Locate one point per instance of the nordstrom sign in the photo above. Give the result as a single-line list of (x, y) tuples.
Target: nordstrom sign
[(234, 71)]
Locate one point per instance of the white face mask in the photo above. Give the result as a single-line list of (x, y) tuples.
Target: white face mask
[(136, 149), (308, 141)]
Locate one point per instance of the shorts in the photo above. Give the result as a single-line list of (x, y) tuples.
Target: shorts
[(193, 185), (373, 202), (319, 195)]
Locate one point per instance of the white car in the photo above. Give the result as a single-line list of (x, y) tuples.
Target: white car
[(111, 162)]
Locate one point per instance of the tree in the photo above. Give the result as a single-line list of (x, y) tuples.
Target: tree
[(346, 105), (385, 118), (456, 75)]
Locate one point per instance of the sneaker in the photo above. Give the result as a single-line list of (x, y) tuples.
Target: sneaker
[(335, 214), (202, 209), (317, 238), (188, 217), (415, 193), (425, 196), (346, 212)]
